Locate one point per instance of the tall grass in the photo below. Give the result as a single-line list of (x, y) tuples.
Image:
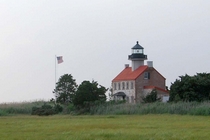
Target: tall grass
[(113, 108), (19, 107), (182, 108)]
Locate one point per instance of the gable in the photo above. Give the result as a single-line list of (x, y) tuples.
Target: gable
[(159, 74), (152, 69)]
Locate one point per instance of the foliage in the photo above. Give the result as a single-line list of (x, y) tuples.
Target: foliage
[(65, 89), (58, 108), (69, 109), (151, 97), (46, 110), (191, 88), (3, 113), (89, 92)]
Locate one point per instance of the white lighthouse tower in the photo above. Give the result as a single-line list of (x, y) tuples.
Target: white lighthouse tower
[(137, 57)]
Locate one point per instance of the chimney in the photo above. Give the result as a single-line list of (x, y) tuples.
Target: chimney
[(126, 65), (150, 64)]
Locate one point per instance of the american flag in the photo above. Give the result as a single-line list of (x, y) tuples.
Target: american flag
[(60, 59)]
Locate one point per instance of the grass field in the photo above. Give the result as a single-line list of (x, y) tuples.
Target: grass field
[(116, 127)]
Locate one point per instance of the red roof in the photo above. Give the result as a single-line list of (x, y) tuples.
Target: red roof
[(128, 74)]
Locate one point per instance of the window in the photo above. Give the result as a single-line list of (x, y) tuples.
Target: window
[(131, 85), (123, 85), (115, 86), (146, 75), (127, 85), (118, 86)]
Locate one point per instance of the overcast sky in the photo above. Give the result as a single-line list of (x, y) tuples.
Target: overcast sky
[(95, 38)]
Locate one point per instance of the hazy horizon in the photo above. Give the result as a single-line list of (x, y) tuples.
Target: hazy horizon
[(95, 39)]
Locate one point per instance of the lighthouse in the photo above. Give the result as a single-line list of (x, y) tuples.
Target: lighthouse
[(137, 57), (134, 83)]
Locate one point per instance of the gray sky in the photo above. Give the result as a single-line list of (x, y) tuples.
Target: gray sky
[(95, 38)]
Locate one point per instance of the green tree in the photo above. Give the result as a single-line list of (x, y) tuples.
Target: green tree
[(151, 97), (191, 88), (65, 89), (89, 92)]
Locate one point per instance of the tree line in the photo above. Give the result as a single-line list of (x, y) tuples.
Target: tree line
[(89, 95), (68, 92), (186, 88), (191, 88)]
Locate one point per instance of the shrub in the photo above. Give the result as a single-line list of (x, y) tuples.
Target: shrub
[(3, 113), (46, 110), (69, 109), (58, 108), (151, 97)]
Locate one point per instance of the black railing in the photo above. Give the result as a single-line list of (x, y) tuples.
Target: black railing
[(133, 56)]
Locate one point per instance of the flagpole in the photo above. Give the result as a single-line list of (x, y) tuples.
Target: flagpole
[(55, 71)]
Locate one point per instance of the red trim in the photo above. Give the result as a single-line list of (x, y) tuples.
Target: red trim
[(157, 88)]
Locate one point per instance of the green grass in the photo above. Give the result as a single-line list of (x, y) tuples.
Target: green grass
[(105, 127)]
